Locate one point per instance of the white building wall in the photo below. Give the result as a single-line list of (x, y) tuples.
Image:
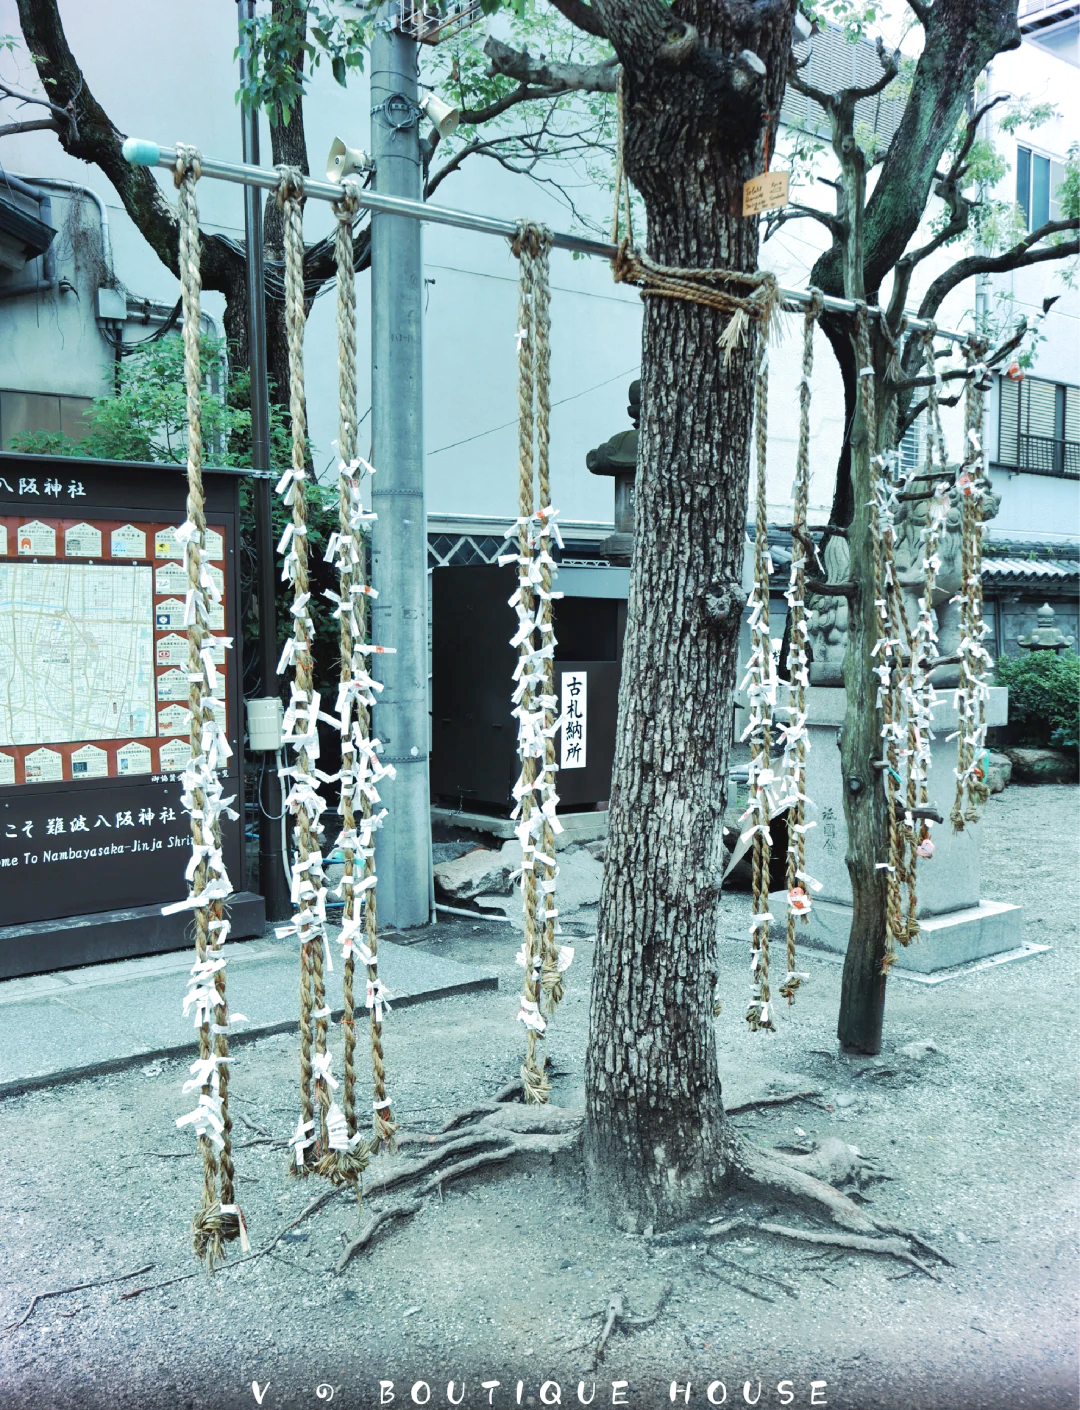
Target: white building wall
[(150, 88)]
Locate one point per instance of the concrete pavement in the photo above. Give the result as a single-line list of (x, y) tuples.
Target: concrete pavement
[(79, 1022)]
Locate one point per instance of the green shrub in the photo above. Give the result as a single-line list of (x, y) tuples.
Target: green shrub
[(1044, 697)]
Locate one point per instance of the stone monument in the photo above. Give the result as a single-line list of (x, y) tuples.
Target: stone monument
[(957, 925)]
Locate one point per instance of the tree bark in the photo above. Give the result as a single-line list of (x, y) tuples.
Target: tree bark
[(654, 1136)]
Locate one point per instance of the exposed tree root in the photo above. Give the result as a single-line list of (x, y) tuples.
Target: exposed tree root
[(77, 1287), (616, 1319), (491, 1133), (393, 1211), (750, 1273), (807, 1094), (858, 1243), (796, 1178)]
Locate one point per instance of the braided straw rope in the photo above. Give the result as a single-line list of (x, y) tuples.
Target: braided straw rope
[(555, 957), (918, 690), (711, 287), (971, 694), (758, 1014), (303, 801), (796, 747), (218, 1218), (346, 331), (348, 1151), (543, 959), (892, 632), (537, 1086)]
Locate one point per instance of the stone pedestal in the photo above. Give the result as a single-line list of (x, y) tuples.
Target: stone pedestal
[(958, 926)]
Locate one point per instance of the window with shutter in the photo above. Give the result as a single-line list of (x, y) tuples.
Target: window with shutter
[(1039, 427), (912, 446)]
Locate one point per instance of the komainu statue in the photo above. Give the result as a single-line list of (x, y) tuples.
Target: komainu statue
[(829, 615)]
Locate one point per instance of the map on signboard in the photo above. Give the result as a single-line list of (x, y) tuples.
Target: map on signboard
[(76, 652)]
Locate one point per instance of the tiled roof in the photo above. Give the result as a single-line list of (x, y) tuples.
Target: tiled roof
[(1031, 569)]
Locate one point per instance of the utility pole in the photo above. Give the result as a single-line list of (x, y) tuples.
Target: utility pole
[(272, 883), (399, 539)]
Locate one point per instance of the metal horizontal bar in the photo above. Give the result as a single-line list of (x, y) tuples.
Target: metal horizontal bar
[(143, 153)]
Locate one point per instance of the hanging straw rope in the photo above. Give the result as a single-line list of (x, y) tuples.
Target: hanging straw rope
[(543, 959), (361, 770), (218, 1218), (300, 726), (760, 685), (975, 661), (799, 883), (919, 696), (349, 1150), (891, 630)]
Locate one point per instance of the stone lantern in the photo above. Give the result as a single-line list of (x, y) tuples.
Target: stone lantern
[(1046, 636), (618, 458)]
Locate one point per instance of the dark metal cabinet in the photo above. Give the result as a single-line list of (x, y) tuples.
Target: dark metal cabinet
[(474, 762)]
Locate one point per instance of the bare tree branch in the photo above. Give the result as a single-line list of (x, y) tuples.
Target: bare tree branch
[(1000, 353), (31, 125), (890, 67), (1025, 252), (65, 114), (823, 99), (546, 74), (795, 211), (476, 117), (906, 422), (961, 37), (909, 384), (91, 136), (920, 9)]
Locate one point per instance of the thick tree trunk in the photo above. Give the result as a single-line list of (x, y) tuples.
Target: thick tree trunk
[(654, 1137)]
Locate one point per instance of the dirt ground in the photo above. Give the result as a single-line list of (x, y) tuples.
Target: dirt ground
[(495, 1280)]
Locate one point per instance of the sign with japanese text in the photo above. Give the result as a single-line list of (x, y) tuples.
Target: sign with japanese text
[(91, 639), (93, 687), (765, 193), (575, 696)]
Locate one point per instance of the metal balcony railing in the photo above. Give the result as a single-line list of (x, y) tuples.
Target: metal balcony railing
[(1046, 455)]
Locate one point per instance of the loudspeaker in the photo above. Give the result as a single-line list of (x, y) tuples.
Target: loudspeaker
[(343, 161), (441, 114)]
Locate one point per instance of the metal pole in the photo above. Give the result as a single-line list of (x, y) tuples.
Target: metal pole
[(140, 152), (272, 881), (399, 534)]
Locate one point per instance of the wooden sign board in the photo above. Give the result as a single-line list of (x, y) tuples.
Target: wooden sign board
[(765, 193)]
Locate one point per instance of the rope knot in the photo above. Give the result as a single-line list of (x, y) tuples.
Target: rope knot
[(188, 159), (290, 185), (346, 208), (531, 239)]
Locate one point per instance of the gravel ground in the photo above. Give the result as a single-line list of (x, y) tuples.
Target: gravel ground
[(495, 1281)]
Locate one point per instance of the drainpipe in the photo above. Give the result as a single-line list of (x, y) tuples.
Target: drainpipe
[(47, 282), (53, 183)]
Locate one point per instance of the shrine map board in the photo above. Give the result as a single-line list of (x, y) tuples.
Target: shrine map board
[(93, 707)]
